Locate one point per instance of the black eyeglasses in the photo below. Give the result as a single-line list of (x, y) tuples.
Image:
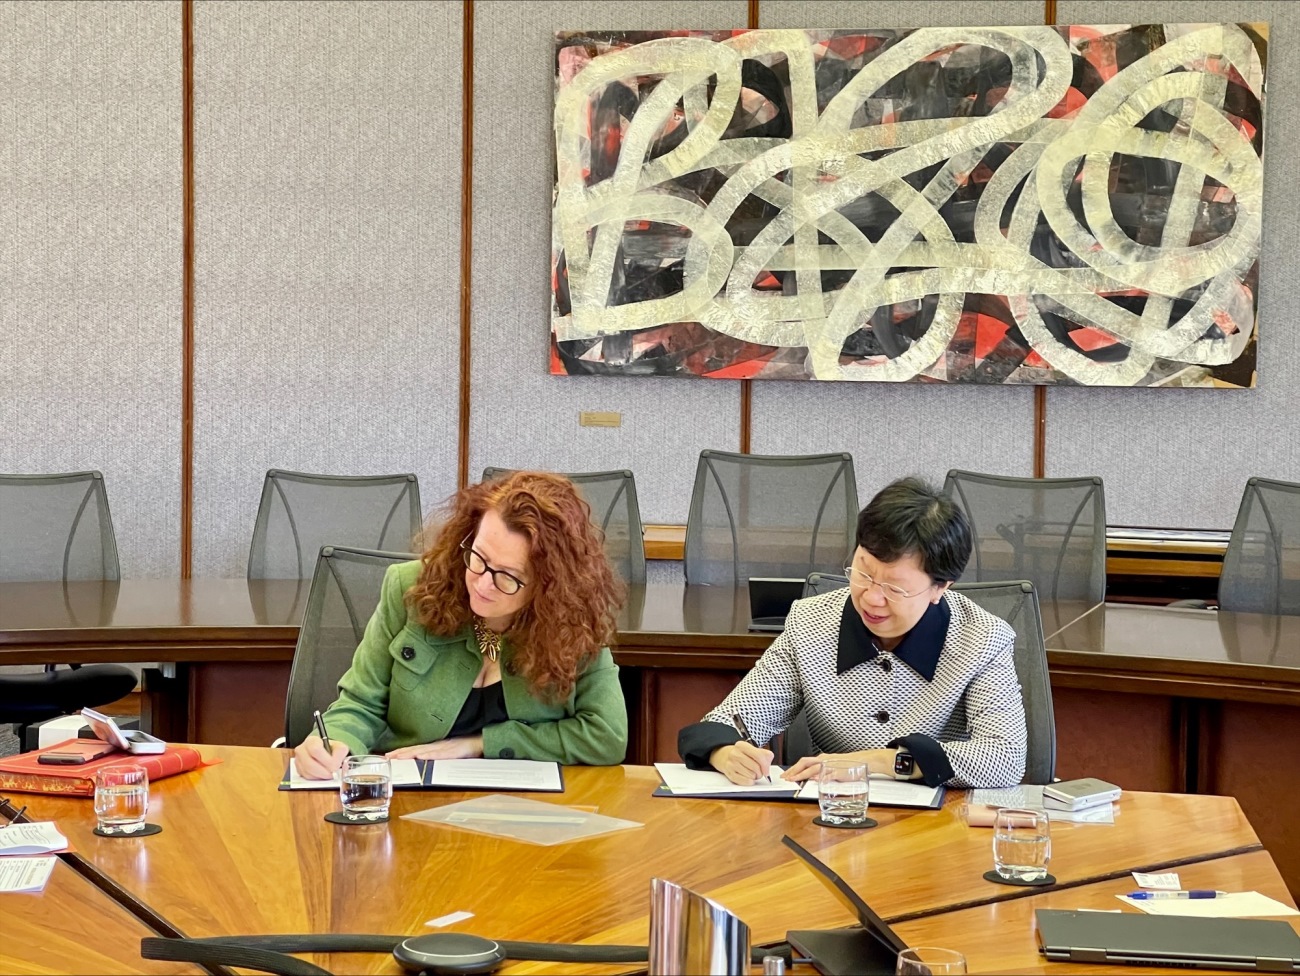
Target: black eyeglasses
[(476, 564)]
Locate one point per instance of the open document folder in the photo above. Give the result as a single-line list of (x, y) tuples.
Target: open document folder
[(883, 791), (514, 775)]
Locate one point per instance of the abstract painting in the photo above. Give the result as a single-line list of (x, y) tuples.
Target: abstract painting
[(1076, 205)]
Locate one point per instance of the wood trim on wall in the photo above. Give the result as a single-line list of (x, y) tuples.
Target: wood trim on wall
[(466, 233), (1040, 432), (747, 386), (1040, 392), (187, 288)]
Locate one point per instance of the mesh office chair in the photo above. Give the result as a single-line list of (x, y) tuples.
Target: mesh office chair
[(299, 513), (1050, 531), (761, 515), (344, 593), (1016, 602), (614, 510), (1261, 568), (57, 527)]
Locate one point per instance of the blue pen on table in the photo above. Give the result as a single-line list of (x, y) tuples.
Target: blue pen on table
[(738, 721), (320, 730), (1194, 893)]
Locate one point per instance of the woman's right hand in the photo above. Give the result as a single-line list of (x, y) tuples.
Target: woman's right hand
[(313, 761), (742, 763)]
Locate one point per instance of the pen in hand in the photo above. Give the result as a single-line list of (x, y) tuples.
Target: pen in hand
[(320, 730), (738, 721), (1194, 893)]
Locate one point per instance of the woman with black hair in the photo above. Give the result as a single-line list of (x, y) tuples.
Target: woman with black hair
[(897, 670)]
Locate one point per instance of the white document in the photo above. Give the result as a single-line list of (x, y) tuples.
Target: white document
[(406, 772), (25, 873), (696, 782), (31, 838), (497, 774), (1165, 882), (886, 791), (1241, 904)]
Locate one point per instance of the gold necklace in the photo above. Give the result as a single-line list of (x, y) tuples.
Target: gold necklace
[(489, 641)]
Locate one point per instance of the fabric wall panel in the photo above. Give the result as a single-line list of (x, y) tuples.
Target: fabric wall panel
[(90, 237), (327, 174)]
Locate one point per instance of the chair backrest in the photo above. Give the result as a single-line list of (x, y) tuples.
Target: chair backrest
[(763, 515), (1016, 602), (300, 513), (614, 510), (344, 593), (56, 527), (818, 583), (1261, 569), (1050, 531)]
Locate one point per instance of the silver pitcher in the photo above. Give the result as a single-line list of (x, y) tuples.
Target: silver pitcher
[(691, 935)]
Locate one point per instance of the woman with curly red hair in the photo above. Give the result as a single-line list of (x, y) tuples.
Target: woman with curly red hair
[(493, 643)]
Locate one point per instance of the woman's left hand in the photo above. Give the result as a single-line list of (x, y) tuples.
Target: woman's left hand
[(877, 760), (466, 747)]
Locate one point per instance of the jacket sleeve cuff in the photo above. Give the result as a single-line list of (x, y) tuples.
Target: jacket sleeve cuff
[(697, 742), (929, 755)]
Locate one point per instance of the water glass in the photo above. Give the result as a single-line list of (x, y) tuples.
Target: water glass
[(121, 798), (366, 787), (1022, 844), (924, 960), (842, 791)]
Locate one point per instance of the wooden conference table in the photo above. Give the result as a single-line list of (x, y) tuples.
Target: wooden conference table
[(1152, 698), (238, 857)]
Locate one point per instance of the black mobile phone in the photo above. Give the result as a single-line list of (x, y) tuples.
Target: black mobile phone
[(63, 758)]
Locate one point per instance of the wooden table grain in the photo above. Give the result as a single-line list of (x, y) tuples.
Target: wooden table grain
[(236, 856), (72, 927)]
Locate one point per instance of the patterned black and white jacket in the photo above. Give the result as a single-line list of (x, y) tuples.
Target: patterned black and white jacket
[(948, 692)]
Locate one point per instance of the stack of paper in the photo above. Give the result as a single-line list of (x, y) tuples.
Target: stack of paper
[(31, 838), (19, 872), (1238, 904), (25, 873)]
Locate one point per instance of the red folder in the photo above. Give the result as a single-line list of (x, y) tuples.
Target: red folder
[(25, 774)]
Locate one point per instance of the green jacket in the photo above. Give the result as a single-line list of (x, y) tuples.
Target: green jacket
[(406, 686)]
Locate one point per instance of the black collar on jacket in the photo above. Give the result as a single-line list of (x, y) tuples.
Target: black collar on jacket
[(919, 649)]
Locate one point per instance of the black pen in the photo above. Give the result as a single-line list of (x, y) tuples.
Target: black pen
[(320, 730), (738, 721)]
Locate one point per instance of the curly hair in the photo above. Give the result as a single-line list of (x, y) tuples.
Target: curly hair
[(576, 593)]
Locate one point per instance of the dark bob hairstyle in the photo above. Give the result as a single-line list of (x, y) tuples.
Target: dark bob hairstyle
[(911, 517)]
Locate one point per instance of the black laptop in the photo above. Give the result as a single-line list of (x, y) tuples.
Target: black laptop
[(867, 951), (1105, 938), (769, 601)]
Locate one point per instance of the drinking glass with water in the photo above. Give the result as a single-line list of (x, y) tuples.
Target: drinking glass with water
[(926, 961), (121, 798), (366, 787), (1022, 844), (842, 791)]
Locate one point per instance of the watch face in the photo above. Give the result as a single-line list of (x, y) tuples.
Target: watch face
[(904, 764)]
